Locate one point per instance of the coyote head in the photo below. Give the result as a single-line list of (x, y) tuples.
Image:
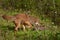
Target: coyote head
[(33, 20)]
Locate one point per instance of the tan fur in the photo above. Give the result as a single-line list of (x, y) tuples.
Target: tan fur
[(23, 19), (8, 18), (17, 20), (27, 19)]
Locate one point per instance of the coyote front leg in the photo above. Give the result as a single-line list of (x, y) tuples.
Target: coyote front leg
[(17, 25), (24, 27)]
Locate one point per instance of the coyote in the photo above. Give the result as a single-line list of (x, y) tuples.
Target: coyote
[(23, 19)]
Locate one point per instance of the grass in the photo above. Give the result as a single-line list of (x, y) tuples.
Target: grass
[(7, 30), (29, 35)]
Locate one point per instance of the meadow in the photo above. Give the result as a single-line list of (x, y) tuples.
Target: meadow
[(52, 31)]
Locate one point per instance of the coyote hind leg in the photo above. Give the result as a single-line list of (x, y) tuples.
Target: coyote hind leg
[(29, 24)]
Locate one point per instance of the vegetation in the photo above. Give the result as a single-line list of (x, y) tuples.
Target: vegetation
[(47, 10)]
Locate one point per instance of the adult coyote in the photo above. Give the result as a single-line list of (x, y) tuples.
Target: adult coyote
[(23, 19)]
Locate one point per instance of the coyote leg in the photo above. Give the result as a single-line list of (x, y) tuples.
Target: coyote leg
[(17, 25), (29, 24), (23, 27)]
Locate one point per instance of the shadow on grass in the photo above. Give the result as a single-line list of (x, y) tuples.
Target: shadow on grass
[(10, 28)]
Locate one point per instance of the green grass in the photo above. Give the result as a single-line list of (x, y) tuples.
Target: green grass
[(52, 32), (7, 34)]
